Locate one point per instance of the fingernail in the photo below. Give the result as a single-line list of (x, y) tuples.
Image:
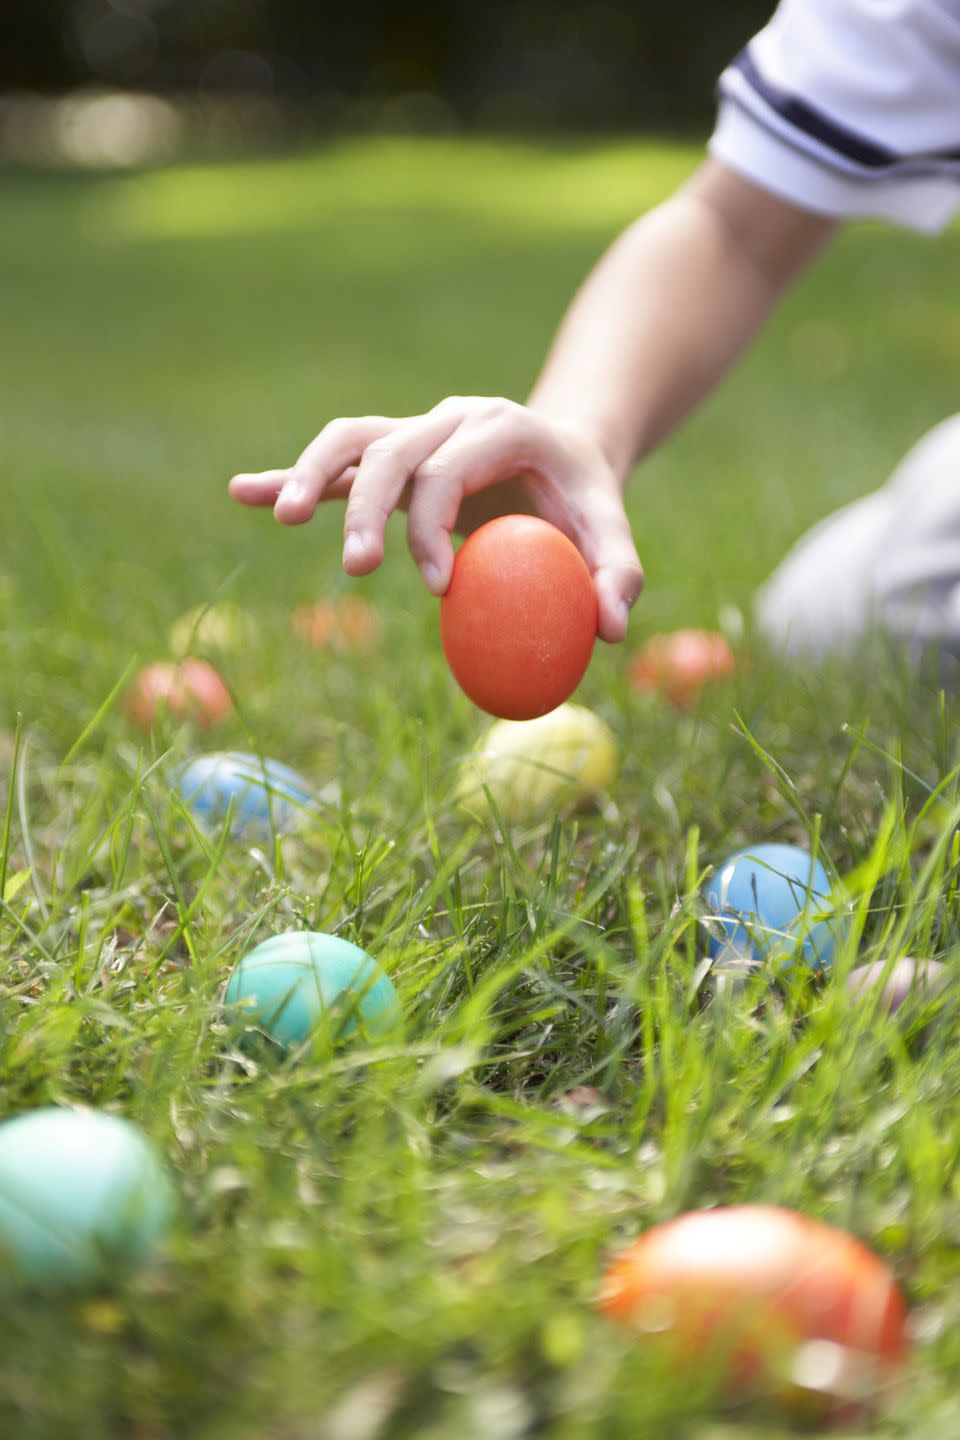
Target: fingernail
[(431, 577), (353, 548), (294, 490), (623, 613)]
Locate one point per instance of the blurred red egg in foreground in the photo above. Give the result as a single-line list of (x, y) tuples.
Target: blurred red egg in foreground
[(186, 690), (680, 663), (519, 620), (347, 624), (781, 1306)]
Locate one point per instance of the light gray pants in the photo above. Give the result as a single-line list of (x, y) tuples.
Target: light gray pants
[(888, 563)]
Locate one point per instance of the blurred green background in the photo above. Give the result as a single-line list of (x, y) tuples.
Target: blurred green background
[(559, 63), (168, 327)]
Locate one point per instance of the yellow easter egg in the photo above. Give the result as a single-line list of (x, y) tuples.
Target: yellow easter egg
[(205, 629), (531, 768)]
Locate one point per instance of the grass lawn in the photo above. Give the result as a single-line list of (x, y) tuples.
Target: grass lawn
[(408, 1242)]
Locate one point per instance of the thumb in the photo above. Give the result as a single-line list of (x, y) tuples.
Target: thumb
[(606, 542)]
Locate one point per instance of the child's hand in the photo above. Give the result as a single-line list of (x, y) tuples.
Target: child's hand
[(431, 463)]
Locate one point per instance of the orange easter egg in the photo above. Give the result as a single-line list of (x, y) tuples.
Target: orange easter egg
[(519, 620)]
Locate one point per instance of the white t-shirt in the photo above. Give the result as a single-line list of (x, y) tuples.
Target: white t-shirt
[(850, 108)]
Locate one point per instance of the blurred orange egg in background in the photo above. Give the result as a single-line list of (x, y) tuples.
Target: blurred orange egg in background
[(680, 663), (347, 624), (184, 690)]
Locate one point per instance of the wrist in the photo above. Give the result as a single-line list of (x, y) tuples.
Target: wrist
[(596, 432)]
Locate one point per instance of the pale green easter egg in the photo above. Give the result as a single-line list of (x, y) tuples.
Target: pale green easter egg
[(83, 1195), (303, 983)]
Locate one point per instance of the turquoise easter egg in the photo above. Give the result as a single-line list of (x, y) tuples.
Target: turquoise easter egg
[(303, 983), (82, 1196)]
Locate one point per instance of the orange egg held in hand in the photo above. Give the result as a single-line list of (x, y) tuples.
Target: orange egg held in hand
[(680, 663), (779, 1305), (519, 619), (188, 690)]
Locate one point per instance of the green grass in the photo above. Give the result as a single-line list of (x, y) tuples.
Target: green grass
[(409, 1242)]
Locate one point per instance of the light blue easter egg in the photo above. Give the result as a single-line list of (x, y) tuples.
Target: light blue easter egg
[(773, 900), (82, 1196), (259, 791), (305, 983)]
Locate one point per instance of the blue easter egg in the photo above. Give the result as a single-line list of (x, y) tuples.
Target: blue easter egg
[(773, 899), (261, 795), (300, 983), (82, 1195)]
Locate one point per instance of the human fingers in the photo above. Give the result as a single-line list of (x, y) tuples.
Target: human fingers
[(568, 479), (496, 439), (339, 489), (385, 468), (431, 519), (258, 489), (601, 530), (263, 488), (339, 444)]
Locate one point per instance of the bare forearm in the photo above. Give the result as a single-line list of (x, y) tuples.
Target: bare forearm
[(669, 308), (664, 314)]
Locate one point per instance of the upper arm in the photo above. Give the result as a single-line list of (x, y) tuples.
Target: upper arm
[(850, 108), (776, 236)]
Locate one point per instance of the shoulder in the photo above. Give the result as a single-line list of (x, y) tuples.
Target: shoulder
[(864, 94)]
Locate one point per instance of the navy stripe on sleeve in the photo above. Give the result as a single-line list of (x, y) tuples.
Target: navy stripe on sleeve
[(813, 122)]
